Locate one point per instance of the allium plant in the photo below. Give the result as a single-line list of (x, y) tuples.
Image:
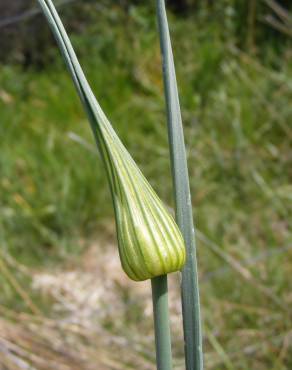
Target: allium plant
[(150, 242)]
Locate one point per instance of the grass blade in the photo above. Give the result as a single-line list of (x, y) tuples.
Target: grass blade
[(184, 217)]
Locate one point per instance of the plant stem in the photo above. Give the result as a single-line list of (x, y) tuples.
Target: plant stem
[(161, 323), (184, 216)]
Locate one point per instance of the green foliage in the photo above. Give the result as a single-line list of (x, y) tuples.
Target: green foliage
[(237, 114), (252, 25)]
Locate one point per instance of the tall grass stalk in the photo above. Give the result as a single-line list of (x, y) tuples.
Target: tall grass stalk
[(184, 216), (154, 245)]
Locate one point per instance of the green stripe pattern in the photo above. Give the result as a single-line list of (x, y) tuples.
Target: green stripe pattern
[(150, 242)]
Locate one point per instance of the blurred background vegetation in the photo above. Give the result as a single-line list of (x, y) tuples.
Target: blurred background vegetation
[(64, 301)]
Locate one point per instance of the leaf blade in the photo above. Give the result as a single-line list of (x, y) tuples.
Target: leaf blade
[(184, 216)]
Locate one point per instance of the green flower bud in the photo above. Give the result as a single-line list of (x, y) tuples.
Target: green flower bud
[(150, 242)]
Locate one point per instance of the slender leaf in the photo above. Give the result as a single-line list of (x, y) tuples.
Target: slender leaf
[(184, 216)]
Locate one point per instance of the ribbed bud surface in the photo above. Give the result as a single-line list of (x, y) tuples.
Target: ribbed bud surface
[(150, 243)]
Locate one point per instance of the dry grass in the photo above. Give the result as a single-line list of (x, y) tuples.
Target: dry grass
[(98, 315), (90, 306)]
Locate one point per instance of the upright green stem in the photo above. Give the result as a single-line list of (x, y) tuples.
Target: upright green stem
[(161, 323), (184, 216)]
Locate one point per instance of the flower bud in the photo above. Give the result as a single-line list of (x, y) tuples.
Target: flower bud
[(150, 242)]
